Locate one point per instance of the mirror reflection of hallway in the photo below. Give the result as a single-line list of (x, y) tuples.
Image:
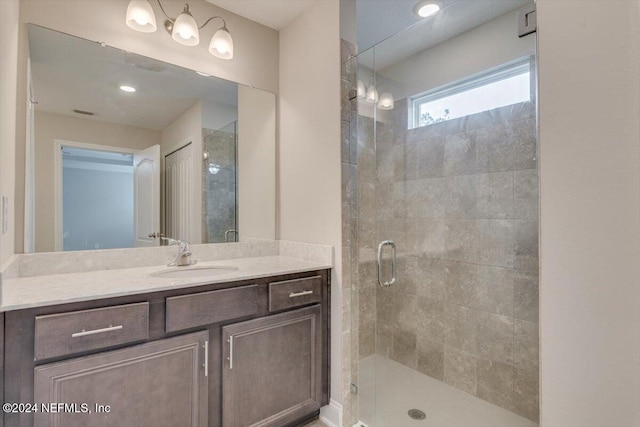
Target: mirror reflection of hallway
[(96, 201)]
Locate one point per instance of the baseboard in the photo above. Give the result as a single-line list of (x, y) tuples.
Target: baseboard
[(331, 414)]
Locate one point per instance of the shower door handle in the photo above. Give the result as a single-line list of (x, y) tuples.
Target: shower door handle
[(393, 263)]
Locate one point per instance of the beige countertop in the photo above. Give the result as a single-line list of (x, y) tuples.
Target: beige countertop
[(44, 290)]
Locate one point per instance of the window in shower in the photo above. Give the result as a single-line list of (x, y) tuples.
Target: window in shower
[(498, 87)]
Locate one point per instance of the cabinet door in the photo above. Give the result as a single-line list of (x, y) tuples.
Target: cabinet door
[(161, 383), (272, 370)]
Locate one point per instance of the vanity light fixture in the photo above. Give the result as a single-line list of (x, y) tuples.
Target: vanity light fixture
[(383, 102), (386, 101), (140, 16), (183, 29), (362, 92), (425, 8), (372, 95), (126, 88)]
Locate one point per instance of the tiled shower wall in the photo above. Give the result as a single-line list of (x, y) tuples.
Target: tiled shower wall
[(219, 189), (460, 199), (349, 110)]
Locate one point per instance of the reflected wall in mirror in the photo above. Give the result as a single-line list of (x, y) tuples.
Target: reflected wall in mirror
[(123, 146)]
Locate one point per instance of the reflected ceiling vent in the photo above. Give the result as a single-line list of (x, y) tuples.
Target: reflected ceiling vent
[(86, 113)]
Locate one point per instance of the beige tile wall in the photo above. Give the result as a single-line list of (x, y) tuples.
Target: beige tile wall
[(460, 199), (350, 297)]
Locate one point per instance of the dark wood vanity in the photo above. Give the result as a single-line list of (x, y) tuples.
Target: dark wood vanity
[(237, 354)]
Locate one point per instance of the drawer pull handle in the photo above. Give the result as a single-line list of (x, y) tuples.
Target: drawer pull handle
[(84, 333), (299, 294)]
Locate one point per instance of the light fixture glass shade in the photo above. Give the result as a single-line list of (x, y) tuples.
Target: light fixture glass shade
[(140, 16), (185, 30), (386, 101), (425, 8), (221, 45), (362, 92), (372, 95)]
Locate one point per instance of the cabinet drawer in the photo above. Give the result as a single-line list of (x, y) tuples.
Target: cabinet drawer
[(294, 293), (79, 331), (205, 308)]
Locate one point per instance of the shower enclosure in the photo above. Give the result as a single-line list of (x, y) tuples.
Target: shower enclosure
[(441, 222)]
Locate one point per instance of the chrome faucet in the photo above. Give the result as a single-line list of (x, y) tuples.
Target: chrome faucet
[(183, 258)]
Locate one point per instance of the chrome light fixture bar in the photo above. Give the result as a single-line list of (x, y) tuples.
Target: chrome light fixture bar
[(183, 29)]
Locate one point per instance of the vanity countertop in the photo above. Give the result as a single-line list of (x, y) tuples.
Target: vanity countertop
[(39, 291)]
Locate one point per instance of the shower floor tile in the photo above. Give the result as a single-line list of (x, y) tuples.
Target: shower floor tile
[(400, 389)]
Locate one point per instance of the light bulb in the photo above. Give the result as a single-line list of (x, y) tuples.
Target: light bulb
[(185, 33), (221, 45), (372, 95), (140, 16)]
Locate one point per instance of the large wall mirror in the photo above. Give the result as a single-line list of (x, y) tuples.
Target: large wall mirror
[(122, 148)]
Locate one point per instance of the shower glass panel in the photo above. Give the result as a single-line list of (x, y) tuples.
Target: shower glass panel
[(219, 185), (446, 165)]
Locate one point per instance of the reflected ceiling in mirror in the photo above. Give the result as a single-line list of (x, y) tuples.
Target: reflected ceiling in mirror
[(72, 74), (186, 133)]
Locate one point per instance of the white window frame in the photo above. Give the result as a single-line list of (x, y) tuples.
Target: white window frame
[(505, 71)]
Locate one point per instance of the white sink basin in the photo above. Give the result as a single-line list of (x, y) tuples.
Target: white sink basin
[(192, 272)]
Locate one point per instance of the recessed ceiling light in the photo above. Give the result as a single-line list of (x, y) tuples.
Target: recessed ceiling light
[(203, 74), (126, 88), (426, 8)]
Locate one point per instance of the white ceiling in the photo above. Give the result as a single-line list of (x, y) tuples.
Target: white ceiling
[(72, 73), (275, 14)]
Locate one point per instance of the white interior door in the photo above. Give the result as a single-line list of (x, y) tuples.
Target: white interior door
[(146, 190), (178, 189)]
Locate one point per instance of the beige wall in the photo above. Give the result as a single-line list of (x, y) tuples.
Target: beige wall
[(184, 130), (309, 151), (255, 61), (459, 57), (589, 56), (256, 163), (9, 25), (48, 128), (216, 116)]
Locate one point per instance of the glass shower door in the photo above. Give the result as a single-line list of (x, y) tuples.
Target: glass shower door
[(447, 189)]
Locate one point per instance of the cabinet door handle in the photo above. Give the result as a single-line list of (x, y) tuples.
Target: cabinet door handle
[(84, 333), (206, 358), (230, 358), (299, 294)]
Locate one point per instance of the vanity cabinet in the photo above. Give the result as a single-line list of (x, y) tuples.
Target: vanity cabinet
[(160, 384), (245, 353), (280, 382)]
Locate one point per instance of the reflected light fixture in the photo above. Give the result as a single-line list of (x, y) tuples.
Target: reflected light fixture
[(127, 88), (184, 29), (386, 101), (372, 94), (425, 8), (362, 92)]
